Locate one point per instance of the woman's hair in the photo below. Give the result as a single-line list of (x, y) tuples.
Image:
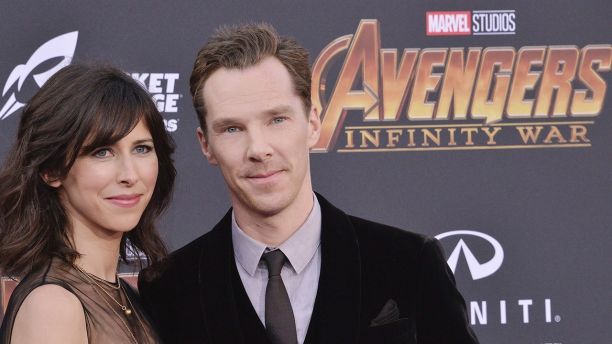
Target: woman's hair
[(77, 110)]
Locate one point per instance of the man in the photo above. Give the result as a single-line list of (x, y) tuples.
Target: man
[(284, 265)]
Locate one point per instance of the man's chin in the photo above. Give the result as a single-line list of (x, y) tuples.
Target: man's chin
[(267, 205)]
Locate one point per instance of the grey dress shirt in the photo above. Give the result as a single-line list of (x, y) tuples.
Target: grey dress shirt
[(300, 274)]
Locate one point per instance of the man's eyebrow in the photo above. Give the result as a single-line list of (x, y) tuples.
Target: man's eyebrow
[(222, 123), (279, 110)]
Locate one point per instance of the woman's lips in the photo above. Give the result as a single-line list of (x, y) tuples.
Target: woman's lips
[(124, 201)]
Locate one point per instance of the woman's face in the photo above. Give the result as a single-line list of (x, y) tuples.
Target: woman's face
[(107, 190)]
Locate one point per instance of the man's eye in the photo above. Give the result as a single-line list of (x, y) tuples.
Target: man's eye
[(232, 130), (143, 149), (102, 153), (278, 120)]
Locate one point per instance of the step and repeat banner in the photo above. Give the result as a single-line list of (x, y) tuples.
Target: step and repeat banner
[(486, 124)]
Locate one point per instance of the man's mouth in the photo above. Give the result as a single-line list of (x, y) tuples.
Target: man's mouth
[(264, 177)]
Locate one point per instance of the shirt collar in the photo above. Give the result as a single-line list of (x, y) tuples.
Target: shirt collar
[(299, 248)]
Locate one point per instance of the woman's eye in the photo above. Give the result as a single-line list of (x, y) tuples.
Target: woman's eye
[(102, 153), (143, 149)]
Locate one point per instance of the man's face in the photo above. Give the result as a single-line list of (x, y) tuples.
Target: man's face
[(259, 135)]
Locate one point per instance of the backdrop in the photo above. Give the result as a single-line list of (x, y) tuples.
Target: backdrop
[(484, 123)]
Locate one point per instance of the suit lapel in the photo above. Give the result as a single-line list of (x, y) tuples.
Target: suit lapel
[(336, 313), (216, 285)]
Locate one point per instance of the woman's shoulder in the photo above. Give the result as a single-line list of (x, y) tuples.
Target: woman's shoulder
[(51, 299), (50, 314)]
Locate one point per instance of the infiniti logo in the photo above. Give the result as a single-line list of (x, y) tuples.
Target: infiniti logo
[(477, 270), (60, 46)]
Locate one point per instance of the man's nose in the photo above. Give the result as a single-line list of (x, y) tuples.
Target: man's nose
[(259, 148)]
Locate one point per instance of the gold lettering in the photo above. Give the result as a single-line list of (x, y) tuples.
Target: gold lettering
[(492, 87), (426, 81), (491, 134), (524, 79), (393, 136), (451, 140), (588, 103), (395, 80), (411, 142), (559, 71), (469, 132), (349, 139), (527, 133), (554, 133), (362, 57), (366, 138), (578, 131), (458, 83), (428, 135)]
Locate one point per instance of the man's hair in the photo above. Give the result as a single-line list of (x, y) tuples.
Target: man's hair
[(243, 46)]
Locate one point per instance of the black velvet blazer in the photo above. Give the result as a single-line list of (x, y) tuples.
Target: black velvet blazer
[(378, 284)]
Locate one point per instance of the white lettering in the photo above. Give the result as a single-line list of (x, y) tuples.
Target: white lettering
[(491, 22), (141, 78), (525, 303), (155, 82), (447, 23), (159, 101), (432, 20), (479, 311), (511, 23), (502, 311), (463, 26), (171, 79), (476, 311), (171, 100), (171, 124)]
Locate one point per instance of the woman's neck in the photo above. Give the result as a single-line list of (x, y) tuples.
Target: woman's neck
[(99, 252)]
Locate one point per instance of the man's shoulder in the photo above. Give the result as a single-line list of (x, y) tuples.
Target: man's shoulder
[(193, 250), (395, 249), (372, 234), (376, 234), (185, 260)]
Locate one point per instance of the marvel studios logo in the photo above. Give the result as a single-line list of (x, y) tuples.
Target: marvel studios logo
[(465, 23)]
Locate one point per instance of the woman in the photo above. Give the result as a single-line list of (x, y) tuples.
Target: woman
[(90, 171)]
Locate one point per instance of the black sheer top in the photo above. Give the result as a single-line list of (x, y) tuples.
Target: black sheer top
[(105, 320)]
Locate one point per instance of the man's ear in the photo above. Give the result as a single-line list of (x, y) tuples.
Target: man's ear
[(205, 147), (314, 127), (52, 181)]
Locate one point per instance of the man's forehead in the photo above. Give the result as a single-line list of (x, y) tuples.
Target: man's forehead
[(262, 87), (269, 73)]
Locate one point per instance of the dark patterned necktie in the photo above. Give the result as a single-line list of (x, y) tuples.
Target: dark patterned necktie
[(280, 322)]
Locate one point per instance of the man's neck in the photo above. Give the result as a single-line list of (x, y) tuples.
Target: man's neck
[(275, 229)]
